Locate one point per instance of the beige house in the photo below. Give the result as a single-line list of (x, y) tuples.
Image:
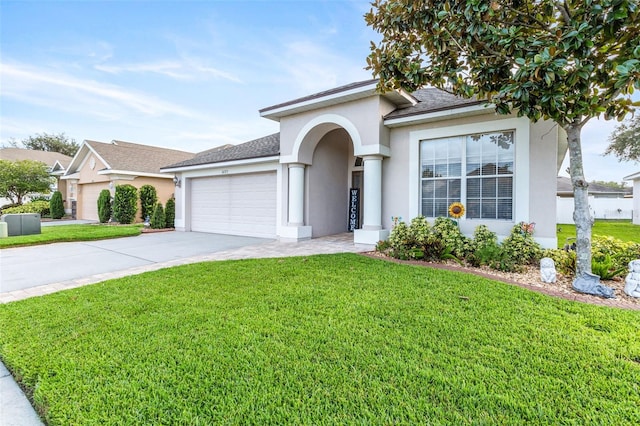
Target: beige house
[(635, 178), (98, 165), (352, 159), (55, 161)]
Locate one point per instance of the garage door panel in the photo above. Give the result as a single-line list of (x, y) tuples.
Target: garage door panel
[(236, 204), (90, 194)]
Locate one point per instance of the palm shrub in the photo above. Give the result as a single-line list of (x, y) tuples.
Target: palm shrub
[(56, 205), (125, 203), (170, 213), (158, 219), (104, 206), (148, 200)]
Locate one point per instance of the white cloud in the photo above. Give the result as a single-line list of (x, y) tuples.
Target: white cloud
[(45, 87), (186, 69)]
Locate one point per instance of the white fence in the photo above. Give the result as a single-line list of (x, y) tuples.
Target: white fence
[(601, 208)]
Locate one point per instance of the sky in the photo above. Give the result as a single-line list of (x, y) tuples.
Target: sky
[(188, 75)]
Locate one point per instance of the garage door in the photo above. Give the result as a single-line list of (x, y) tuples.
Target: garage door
[(89, 194), (236, 204)]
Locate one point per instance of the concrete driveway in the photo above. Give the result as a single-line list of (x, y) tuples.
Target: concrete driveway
[(27, 267)]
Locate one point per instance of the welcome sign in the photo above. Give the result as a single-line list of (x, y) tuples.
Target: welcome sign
[(354, 209)]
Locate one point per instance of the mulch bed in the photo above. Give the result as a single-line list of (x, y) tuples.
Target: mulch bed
[(530, 279)]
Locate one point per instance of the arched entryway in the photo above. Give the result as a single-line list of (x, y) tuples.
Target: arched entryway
[(328, 184), (327, 157)]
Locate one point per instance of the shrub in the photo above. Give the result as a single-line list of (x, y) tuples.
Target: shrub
[(483, 237), (520, 247), (104, 206), (148, 200), (447, 232), (158, 219), (56, 205), (125, 203), (41, 207), (170, 213), (565, 260)]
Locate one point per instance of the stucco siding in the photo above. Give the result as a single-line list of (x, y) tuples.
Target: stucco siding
[(536, 150), (360, 114), (636, 202)]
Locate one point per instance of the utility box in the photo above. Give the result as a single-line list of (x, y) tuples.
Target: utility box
[(3, 230), (22, 224)]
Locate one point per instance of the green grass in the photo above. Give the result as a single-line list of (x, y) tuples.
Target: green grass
[(333, 339), (66, 233), (621, 229)]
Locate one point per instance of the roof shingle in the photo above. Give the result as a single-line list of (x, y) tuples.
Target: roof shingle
[(121, 155), (266, 146)]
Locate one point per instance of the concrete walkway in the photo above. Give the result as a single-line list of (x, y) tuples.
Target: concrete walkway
[(15, 409)]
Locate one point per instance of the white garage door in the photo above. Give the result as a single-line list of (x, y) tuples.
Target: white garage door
[(235, 204), (89, 194)]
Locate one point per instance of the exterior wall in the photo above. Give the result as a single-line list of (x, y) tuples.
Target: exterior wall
[(401, 190), (300, 133), (327, 180), (636, 202), (543, 155)]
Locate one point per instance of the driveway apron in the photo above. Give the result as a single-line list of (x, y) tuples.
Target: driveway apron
[(26, 267)]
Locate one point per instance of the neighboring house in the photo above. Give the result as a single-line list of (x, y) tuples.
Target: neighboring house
[(604, 202), (407, 153), (56, 162), (98, 165), (635, 178)]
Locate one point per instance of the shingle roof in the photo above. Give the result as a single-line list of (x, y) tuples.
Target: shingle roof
[(432, 100), (49, 158), (121, 155), (564, 186), (266, 146), (339, 89)]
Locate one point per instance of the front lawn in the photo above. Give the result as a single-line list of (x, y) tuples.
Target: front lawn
[(332, 339), (621, 229), (66, 233)]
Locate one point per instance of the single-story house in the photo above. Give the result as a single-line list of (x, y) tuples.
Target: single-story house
[(604, 202), (98, 165), (635, 178), (55, 161), (353, 159)]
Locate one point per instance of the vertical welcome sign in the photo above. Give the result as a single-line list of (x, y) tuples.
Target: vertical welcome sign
[(354, 209)]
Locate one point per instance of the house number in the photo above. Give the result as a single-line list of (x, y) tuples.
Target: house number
[(224, 172)]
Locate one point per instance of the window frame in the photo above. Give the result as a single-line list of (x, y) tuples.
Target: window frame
[(521, 128)]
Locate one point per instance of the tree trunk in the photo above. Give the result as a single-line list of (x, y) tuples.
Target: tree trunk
[(581, 215)]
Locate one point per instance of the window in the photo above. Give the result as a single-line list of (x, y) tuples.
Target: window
[(474, 169)]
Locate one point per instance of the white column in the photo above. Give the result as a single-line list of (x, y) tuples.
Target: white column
[(296, 194), (372, 214)]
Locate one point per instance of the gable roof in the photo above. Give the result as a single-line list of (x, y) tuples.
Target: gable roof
[(564, 187), (47, 157), (267, 146), (430, 100), (128, 156)]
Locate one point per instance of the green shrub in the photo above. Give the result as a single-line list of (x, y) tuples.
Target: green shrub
[(41, 207), (104, 206), (447, 232), (158, 220), (148, 200), (605, 268), (520, 247), (565, 260), (56, 205), (483, 237), (125, 203), (170, 213)]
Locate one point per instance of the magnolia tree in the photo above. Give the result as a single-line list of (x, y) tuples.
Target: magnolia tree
[(567, 61)]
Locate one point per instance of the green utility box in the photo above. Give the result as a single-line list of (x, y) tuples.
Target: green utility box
[(22, 224)]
